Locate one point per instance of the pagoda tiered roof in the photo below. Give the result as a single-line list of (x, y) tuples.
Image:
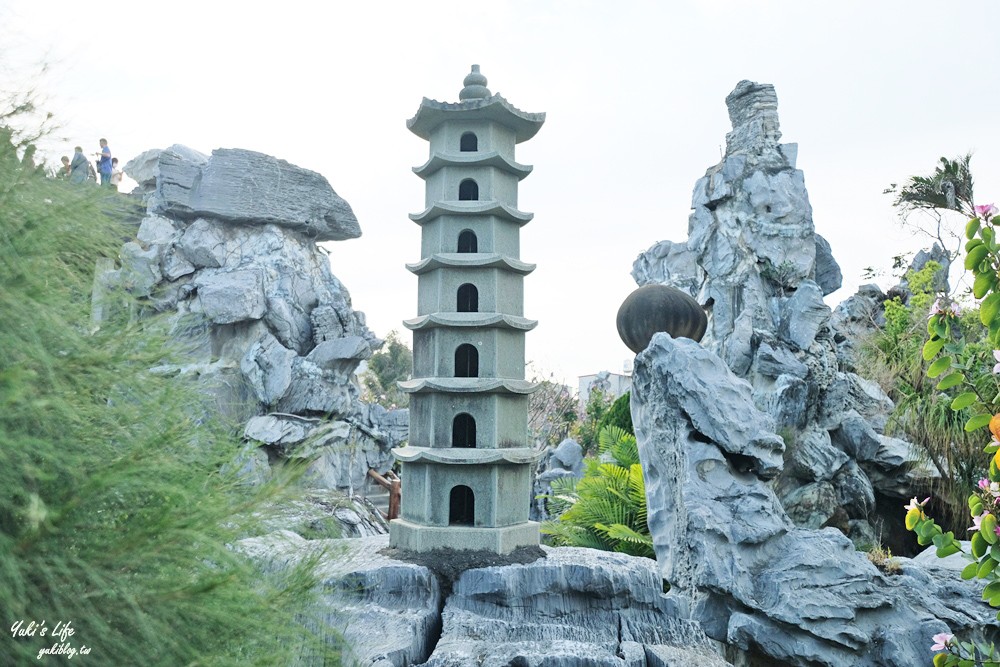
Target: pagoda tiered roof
[(493, 108), (490, 159)]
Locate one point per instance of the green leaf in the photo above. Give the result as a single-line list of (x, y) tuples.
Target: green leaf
[(975, 257), (971, 228), (991, 448), (969, 571), (950, 381), (979, 545), (932, 347), (986, 567), (989, 307), (992, 588), (939, 366), (964, 400), (977, 422), (944, 552), (988, 528), (984, 283), (972, 243)]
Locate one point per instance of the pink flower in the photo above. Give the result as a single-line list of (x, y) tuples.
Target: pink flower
[(941, 641), (976, 522), (996, 355), (914, 505), (936, 309), (985, 211), (985, 483)]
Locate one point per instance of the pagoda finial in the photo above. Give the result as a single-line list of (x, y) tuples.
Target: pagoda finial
[(475, 86)]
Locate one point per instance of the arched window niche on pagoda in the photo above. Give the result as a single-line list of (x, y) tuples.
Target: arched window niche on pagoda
[(467, 241), (469, 143), (466, 361), (461, 506), (463, 430), (468, 190), (468, 298)]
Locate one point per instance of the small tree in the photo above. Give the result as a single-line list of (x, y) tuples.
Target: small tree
[(552, 411), (391, 364), (598, 404)]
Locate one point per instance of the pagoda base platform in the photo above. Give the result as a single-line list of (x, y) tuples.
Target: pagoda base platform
[(413, 537)]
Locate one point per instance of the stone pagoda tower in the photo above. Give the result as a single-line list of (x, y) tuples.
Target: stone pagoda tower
[(466, 480)]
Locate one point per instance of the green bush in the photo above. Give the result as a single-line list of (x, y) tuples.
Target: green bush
[(619, 414), (115, 516), (894, 357), (391, 364)]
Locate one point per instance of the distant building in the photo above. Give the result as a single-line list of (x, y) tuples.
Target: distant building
[(612, 384)]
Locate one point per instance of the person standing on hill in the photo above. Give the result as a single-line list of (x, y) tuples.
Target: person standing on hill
[(79, 167), (104, 164)]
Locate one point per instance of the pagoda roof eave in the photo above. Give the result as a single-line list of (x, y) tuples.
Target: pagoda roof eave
[(463, 260), (495, 108), (491, 159), (484, 320), (472, 208), (467, 386), (466, 455)]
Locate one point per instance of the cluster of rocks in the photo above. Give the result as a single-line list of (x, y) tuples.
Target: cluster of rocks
[(569, 608), (227, 252), (755, 262), (734, 556)]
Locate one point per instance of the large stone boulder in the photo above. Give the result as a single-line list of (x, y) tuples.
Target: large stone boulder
[(722, 539), (244, 187)]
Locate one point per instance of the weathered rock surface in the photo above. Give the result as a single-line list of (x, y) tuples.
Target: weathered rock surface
[(564, 460), (387, 611), (573, 607), (244, 187), (723, 541), (228, 249), (754, 261)]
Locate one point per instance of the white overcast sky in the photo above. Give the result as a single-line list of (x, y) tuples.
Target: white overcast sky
[(634, 91)]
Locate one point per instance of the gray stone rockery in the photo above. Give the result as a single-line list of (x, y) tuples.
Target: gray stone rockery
[(227, 251), (751, 577), (570, 608), (754, 261)]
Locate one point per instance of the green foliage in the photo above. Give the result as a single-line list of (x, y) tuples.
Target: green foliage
[(598, 404), (959, 357), (606, 509), (391, 364), (115, 516), (898, 357), (619, 414), (949, 187)]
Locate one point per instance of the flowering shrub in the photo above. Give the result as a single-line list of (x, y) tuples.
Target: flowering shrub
[(945, 348)]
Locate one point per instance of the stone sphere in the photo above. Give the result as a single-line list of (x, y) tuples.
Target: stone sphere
[(655, 308)]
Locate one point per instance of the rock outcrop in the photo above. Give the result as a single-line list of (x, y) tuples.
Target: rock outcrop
[(227, 252), (573, 607), (754, 261), (564, 460), (748, 574)]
